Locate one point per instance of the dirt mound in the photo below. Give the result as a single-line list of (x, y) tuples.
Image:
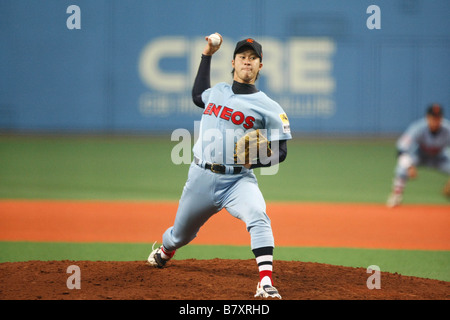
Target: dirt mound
[(215, 279)]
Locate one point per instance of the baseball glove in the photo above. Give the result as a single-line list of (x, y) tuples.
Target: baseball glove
[(248, 148)]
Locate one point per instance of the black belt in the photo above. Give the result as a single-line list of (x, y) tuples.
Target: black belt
[(217, 167)]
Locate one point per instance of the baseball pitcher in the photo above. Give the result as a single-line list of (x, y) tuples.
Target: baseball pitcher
[(241, 129)]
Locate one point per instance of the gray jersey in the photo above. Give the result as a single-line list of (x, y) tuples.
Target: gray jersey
[(226, 118), (418, 139)]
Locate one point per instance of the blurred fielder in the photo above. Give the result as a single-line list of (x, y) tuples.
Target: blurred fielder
[(424, 143)]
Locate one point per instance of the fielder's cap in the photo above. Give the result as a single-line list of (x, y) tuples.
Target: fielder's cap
[(249, 42), (435, 109)]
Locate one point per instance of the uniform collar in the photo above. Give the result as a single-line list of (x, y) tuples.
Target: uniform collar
[(243, 88)]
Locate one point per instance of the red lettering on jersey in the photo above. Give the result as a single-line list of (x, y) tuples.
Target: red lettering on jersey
[(249, 122), (226, 113), (208, 108), (215, 110), (240, 118)]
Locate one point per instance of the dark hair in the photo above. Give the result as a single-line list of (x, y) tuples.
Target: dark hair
[(435, 110)]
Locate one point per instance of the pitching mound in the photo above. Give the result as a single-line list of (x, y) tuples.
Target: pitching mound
[(215, 279)]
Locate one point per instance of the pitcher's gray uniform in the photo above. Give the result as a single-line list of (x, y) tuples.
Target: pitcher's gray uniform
[(216, 180), (206, 192)]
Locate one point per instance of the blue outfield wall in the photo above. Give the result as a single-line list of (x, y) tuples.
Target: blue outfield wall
[(131, 65)]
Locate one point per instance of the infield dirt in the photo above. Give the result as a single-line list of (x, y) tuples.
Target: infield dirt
[(330, 225), (416, 227), (214, 279)]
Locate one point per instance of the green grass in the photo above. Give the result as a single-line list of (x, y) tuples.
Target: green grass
[(346, 171), (425, 264), (140, 168), (83, 168)]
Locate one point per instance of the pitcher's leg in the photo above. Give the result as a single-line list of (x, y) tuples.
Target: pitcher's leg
[(246, 203), (190, 218), (195, 207)]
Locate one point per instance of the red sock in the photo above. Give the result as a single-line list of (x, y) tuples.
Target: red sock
[(265, 273), (264, 259), (166, 255)]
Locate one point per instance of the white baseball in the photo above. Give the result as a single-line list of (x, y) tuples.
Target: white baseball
[(215, 39)]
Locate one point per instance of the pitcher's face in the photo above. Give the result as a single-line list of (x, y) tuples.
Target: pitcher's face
[(246, 66)]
